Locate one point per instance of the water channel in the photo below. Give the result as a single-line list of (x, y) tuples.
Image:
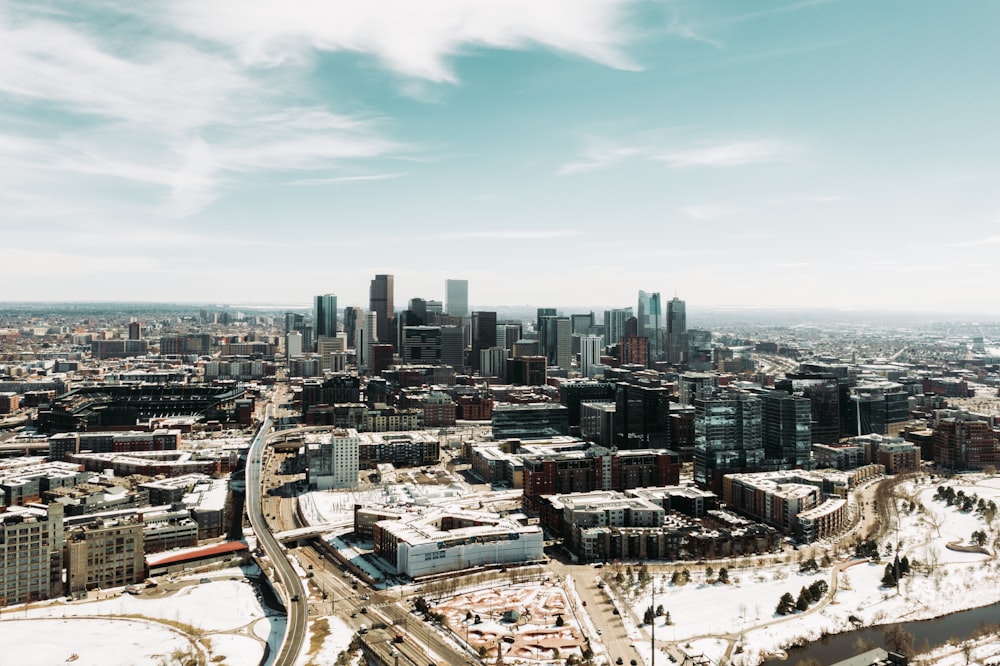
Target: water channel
[(934, 632)]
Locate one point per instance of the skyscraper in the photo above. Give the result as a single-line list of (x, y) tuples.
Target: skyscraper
[(614, 324), (591, 347), (353, 318), (380, 301), (676, 331), (648, 314), (484, 334), (457, 297), (325, 315)]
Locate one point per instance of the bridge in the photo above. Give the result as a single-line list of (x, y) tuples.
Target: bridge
[(310, 531)]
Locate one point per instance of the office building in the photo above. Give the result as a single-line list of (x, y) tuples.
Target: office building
[(823, 390), (527, 370), (575, 392), (728, 437), (421, 345), (676, 336), (962, 443), (530, 421), (353, 319), (453, 348), (556, 341), (786, 434), (648, 313), (31, 554), (614, 324), (493, 362), (591, 347), (642, 417), (457, 297), (293, 344), (135, 331), (325, 316), (484, 335), (380, 301), (507, 334), (333, 465), (105, 554)]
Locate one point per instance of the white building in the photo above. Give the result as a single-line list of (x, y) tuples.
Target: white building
[(334, 464), (293, 344), (418, 545), (591, 347)]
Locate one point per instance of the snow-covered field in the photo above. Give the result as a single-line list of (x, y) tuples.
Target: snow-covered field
[(744, 611), (223, 621)]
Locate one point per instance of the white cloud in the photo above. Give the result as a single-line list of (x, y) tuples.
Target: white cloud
[(198, 103), (730, 154), (338, 180), (415, 39), (603, 154), (709, 211), (599, 157), (526, 234)]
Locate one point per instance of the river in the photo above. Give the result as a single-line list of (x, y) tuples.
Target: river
[(938, 631)]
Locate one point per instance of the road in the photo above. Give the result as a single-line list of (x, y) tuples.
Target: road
[(295, 631)]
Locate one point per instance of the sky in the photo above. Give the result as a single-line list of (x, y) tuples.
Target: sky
[(775, 153)]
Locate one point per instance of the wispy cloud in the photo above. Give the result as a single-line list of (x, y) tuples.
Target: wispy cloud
[(709, 211), (731, 154), (687, 32), (782, 9), (603, 154), (340, 180), (600, 156), (525, 234)]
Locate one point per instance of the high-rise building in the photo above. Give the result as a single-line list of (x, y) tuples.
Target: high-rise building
[(493, 362), (421, 345), (728, 437), (325, 315), (785, 418), (591, 347), (457, 297), (293, 344), (676, 331), (352, 320), (508, 334), (555, 339), (648, 314), (453, 348), (334, 465), (642, 416), (380, 301), (134, 331), (484, 334), (614, 324)]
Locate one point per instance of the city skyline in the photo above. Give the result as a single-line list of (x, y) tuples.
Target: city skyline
[(828, 153)]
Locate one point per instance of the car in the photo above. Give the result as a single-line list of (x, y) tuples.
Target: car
[(599, 631), (354, 614), (616, 611), (619, 661), (584, 601), (364, 610), (632, 663)]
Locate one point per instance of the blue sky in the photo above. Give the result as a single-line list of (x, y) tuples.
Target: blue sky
[(823, 153)]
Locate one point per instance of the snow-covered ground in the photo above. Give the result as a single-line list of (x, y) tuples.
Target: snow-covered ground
[(743, 611), (338, 638), (222, 620)]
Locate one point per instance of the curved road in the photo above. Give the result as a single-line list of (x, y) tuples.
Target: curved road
[(295, 629)]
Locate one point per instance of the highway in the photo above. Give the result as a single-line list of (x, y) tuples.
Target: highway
[(295, 630)]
